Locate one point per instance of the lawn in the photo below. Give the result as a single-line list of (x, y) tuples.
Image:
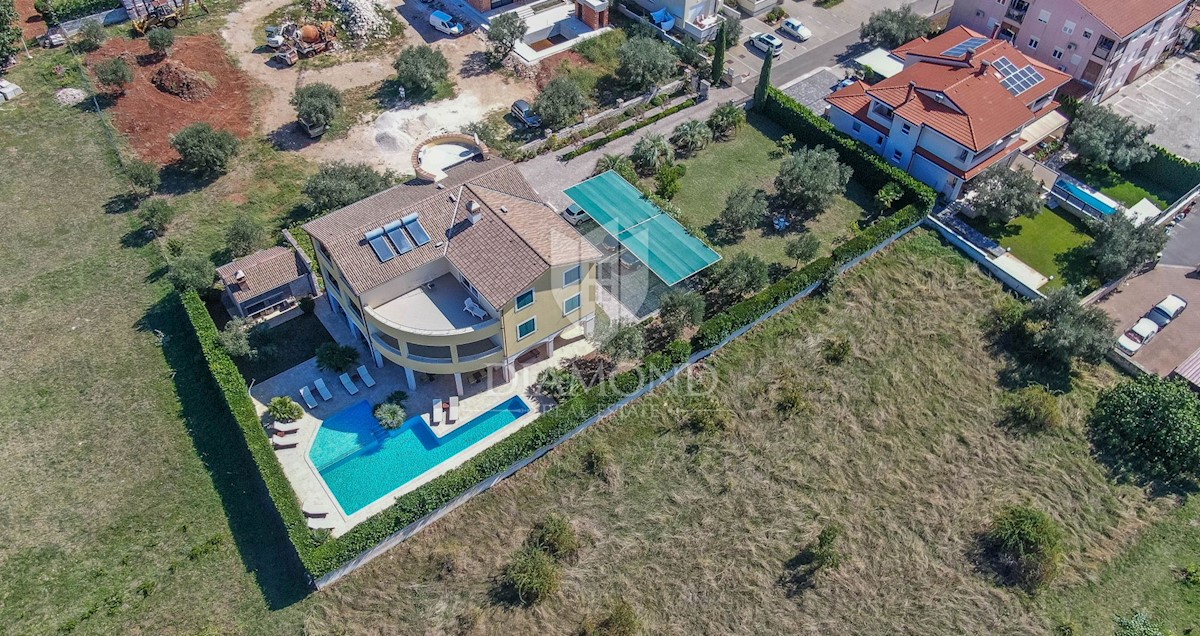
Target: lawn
[(1052, 242), (695, 530), (280, 347), (750, 159), (1125, 188)]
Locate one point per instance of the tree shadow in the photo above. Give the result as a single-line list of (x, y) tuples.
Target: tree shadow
[(257, 528), (502, 594), (1077, 268), (97, 102), (177, 181), (122, 203), (476, 64), (291, 137), (138, 238)]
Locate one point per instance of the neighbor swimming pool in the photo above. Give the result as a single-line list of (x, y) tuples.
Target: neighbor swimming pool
[(361, 461), (1085, 198)]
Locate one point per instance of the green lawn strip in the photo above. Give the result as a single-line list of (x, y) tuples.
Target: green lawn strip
[(1145, 577), (1127, 188), (751, 159), (1052, 243)]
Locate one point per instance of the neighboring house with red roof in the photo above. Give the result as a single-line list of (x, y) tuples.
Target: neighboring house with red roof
[(460, 276), (1105, 44), (959, 106)]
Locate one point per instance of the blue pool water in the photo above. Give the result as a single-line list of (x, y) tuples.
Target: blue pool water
[(361, 461), (1087, 196)]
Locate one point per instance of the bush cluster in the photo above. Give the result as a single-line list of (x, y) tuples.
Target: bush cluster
[(1032, 409), (626, 131), (1026, 546)]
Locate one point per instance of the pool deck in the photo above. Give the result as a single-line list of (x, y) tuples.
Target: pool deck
[(477, 398)]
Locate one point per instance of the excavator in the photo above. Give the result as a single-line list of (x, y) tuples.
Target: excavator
[(164, 13)]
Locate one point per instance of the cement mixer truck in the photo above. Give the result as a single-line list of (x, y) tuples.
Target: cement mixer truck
[(293, 41)]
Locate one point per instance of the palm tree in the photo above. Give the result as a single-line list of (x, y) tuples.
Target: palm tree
[(691, 136), (651, 153), (725, 119)]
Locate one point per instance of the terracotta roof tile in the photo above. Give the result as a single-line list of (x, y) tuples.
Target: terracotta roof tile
[(1125, 17), (264, 270)]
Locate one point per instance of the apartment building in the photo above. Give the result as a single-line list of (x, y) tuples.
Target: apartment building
[(1104, 44), (963, 103)]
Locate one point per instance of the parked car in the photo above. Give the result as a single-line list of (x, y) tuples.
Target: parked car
[(445, 23), (629, 261), (1168, 310), (574, 214), (1137, 336), (767, 43), (796, 28), (524, 114), (844, 83)]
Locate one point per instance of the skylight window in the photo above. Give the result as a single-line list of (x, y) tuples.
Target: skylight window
[(380, 245), (395, 231)]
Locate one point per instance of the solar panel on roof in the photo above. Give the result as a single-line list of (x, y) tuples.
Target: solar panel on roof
[(962, 47), (382, 249), (1005, 67), (1017, 80), (395, 231), (413, 224)]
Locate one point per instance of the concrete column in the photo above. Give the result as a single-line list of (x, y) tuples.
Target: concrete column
[(550, 348), (509, 371), (412, 380), (458, 387), (378, 358), (589, 325)]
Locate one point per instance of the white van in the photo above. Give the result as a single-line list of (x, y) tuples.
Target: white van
[(445, 23)]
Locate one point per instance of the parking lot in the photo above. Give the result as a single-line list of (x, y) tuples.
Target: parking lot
[(1174, 275), (1169, 98), (746, 60)]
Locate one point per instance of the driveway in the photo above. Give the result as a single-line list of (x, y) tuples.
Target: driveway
[(812, 89), (1168, 98)]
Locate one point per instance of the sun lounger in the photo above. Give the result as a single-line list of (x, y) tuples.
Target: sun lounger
[(452, 416), (323, 523), (283, 445), (286, 428), (473, 308), (366, 376), (322, 389), (351, 387), (308, 397), (437, 414), (314, 511)]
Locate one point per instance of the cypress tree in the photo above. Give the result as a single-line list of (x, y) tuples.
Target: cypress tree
[(718, 64), (764, 82)]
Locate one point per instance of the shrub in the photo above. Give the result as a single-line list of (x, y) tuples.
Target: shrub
[(678, 351), (114, 73), (628, 130), (308, 305), (143, 176), (244, 235), (623, 341), (235, 339), (706, 417), (155, 215), (1026, 545), (1061, 330), (811, 178), (555, 536), (92, 35), (888, 195), (667, 180), (746, 208), (835, 350), (317, 104), (1149, 426), (743, 274), (421, 67), (691, 136), (532, 575), (338, 184), (160, 41), (390, 415), (1119, 245), (191, 270), (1032, 409), (336, 358), (619, 164), (651, 153), (726, 119), (824, 552), (561, 103), (1138, 623), (203, 150), (558, 384), (621, 620), (792, 399), (680, 310), (284, 408), (785, 145), (645, 62), (603, 49), (1005, 317), (802, 248)]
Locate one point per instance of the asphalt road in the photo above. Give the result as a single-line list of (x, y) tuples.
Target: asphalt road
[(1183, 248)]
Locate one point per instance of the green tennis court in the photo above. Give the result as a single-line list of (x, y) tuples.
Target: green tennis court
[(641, 227)]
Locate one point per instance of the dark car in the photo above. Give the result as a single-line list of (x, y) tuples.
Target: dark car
[(524, 114)]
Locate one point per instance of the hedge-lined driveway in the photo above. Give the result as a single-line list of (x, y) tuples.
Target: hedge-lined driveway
[(1168, 98)]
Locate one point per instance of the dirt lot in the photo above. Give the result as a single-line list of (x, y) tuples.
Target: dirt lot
[(386, 139), (31, 22), (148, 116)]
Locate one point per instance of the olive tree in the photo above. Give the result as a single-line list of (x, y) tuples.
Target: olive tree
[(802, 248), (679, 310), (745, 208), (317, 104), (1102, 137), (115, 74), (503, 33), (204, 150), (645, 62), (1119, 245), (244, 235), (338, 184), (890, 28), (421, 67), (192, 270), (561, 103), (811, 178), (1002, 194), (160, 41), (743, 274), (1060, 330)]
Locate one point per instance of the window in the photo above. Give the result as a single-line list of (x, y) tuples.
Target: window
[(856, 126), (905, 128), (571, 304), (1044, 16), (572, 276), (896, 155), (526, 329), (1033, 42), (962, 155), (1087, 34), (525, 300), (1068, 27), (1157, 25), (878, 140), (1057, 54)]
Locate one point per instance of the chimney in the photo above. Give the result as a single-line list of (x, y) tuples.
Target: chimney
[(984, 65), (239, 276), (912, 86), (970, 56), (472, 206), (504, 209)]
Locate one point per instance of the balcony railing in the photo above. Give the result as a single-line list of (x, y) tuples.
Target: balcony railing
[(1016, 15), (480, 356), (1103, 48)]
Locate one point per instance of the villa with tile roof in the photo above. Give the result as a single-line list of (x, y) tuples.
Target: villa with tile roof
[(1104, 44), (460, 276), (963, 102), (267, 282)]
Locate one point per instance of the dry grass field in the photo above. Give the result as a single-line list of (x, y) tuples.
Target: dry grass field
[(898, 444)]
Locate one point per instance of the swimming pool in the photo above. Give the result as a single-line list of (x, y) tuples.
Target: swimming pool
[(361, 461), (1089, 198)]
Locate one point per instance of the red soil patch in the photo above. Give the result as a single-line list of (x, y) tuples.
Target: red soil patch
[(148, 117), (30, 21)]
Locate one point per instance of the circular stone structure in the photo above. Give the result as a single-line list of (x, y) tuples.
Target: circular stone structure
[(433, 157)]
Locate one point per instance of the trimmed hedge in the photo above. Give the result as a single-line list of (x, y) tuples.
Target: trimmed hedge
[(870, 169), (719, 327), (65, 10), (623, 132), (1169, 169)]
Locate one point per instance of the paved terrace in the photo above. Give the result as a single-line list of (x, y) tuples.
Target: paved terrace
[(478, 396), (434, 306)]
